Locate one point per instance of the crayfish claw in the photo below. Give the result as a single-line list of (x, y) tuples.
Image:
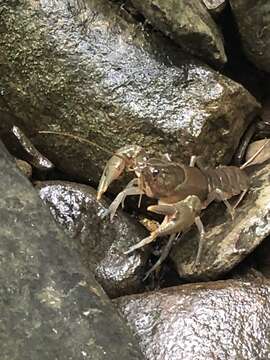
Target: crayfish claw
[(124, 158), (112, 171)]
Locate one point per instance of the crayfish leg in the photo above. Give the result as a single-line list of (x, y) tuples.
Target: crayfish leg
[(165, 252), (200, 228), (241, 197), (121, 197), (220, 195), (142, 243)]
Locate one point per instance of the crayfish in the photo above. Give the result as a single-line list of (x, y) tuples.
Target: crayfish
[(182, 191)]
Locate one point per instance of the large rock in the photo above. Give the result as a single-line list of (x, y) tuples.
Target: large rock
[(101, 243), (189, 24), (253, 20), (50, 308), (227, 242), (226, 320), (77, 66)]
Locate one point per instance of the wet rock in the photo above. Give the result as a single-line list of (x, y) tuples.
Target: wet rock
[(218, 320), (20, 146), (38, 160), (239, 156), (227, 242), (79, 67), (101, 243), (215, 7), (253, 21), (50, 307), (189, 24), (24, 167), (263, 127)]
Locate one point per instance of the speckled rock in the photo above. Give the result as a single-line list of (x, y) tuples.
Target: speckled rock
[(215, 7), (50, 307), (253, 20), (227, 242), (77, 66), (189, 24), (226, 320), (102, 243)]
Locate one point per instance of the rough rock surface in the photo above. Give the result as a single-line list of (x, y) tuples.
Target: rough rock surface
[(253, 20), (227, 242), (189, 24), (50, 308), (220, 320), (215, 7), (100, 241), (77, 66)]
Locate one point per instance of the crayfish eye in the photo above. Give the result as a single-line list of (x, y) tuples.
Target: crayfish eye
[(155, 172)]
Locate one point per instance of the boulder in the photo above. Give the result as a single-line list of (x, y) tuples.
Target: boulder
[(253, 20), (219, 320), (189, 24), (51, 307), (78, 67), (101, 243)]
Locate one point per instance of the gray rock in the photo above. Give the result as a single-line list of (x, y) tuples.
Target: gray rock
[(253, 20), (220, 320), (101, 242), (189, 24), (227, 242), (77, 66), (50, 307)]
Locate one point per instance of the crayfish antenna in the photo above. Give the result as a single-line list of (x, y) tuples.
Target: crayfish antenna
[(257, 153)]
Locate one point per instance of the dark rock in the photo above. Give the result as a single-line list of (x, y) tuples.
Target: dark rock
[(261, 258), (50, 307), (263, 126), (189, 24), (219, 320), (102, 243), (77, 66), (227, 242), (253, 20)]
